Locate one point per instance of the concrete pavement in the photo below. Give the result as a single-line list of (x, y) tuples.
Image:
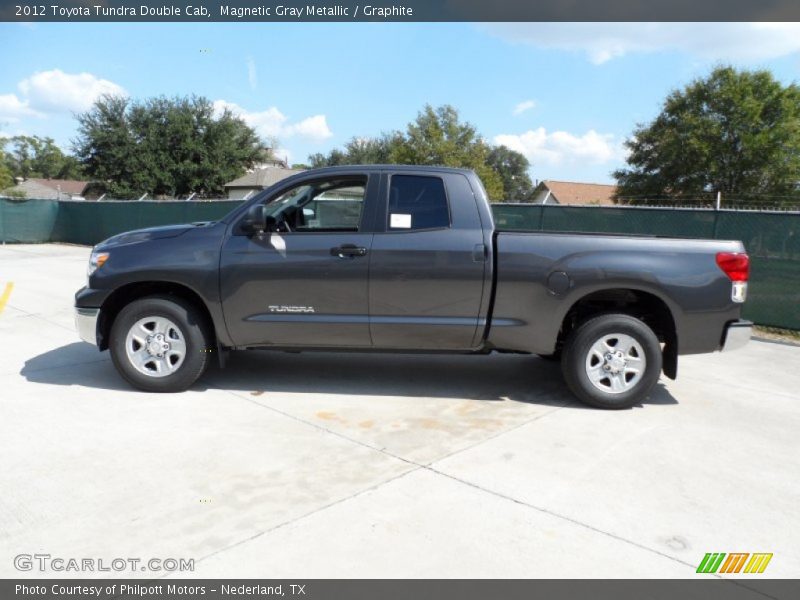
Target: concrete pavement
[(355, 465)]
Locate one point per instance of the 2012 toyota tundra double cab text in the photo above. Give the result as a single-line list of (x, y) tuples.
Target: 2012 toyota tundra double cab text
[(407, 259)]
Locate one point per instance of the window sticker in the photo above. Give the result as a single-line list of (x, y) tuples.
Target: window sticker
[(400, 221)]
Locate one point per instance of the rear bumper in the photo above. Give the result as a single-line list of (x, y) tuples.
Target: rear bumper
[(86, 323), (737, 334)]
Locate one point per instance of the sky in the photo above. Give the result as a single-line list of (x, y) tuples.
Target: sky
[(566, 95)]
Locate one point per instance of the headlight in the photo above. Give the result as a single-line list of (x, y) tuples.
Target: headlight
[(96, 261)]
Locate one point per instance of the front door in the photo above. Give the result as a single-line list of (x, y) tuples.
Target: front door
[(303, 282)]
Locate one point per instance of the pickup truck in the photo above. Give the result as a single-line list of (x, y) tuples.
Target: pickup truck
[(407, 259)]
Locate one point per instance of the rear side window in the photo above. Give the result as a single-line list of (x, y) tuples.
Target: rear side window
[(417, 202)]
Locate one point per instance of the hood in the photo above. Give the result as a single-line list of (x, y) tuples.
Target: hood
[(150, 233)]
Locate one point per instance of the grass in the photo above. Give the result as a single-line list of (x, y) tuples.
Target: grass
[(791, 336)]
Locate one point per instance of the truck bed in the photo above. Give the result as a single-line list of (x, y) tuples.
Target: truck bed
[(541, 275)]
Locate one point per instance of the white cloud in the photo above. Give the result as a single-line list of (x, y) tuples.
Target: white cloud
[(268, 123), (561, 147), (524, 106), (12, 109), (56, 91), (601, 42), (252, 74), (313, 128), (273, 123)]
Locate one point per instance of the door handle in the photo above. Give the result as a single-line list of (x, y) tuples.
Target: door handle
[(348, 251)]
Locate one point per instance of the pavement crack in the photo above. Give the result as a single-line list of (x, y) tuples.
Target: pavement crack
[(592, 528), (326, 430), (310, 513), (500, 433), (383, 450), (40, 317), (552, 513), (428, 467)]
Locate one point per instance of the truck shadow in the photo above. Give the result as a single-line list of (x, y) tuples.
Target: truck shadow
[(495, 377)]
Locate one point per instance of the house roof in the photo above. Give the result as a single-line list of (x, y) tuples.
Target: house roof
[(67, 186), (262, 178), (569, 192)]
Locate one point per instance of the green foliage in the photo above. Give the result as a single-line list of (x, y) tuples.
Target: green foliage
[(360, 151), (33, 156), (513, 170), (6, 177), (735, 131), (165, 146), (14, 194), (436, 137)]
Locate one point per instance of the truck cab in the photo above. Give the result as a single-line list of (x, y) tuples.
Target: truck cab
[(372, 258)]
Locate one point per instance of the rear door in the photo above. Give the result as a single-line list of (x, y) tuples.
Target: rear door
[(427, 263), (304, 284)]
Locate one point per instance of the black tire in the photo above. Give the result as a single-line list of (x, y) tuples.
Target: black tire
[(622, 385), (193, 330)]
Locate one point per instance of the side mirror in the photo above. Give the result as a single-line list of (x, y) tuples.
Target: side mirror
[(256, 219)]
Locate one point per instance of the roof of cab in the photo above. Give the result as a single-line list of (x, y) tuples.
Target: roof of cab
[(385, 167)]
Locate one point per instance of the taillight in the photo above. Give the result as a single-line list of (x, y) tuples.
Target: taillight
[(735, 264)]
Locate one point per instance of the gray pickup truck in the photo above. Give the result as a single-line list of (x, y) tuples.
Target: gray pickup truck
[(408, 259)]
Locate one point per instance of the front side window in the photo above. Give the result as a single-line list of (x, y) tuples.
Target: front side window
[(417, 202), (330, 205)]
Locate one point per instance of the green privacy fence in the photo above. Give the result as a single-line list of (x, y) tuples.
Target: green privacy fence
[(91, 222), (771, 238), (36, 221), (27, 221)]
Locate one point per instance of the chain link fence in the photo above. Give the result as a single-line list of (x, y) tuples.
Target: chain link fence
[(772, 238)]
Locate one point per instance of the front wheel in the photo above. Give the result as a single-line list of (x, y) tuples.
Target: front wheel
[(612, 361), (160, 344)]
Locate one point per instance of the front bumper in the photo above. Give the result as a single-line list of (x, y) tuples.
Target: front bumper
[(86, 323), (737, 334)]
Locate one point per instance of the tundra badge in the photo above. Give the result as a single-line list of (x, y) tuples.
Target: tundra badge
[(290, 309)]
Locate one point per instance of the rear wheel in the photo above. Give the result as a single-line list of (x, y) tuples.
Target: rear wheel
[(612, 361), (160, 344)]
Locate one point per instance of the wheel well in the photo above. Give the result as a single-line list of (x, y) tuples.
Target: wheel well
[(126, 294), (647, 307)]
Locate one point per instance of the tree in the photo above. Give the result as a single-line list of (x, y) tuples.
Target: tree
[(34, 156), (513, 170), (360, 151), (435, 137), (165, 146), (735, 131), (6, 177)]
